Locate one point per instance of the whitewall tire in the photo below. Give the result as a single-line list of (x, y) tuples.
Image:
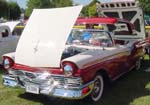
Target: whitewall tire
[(98, 88)]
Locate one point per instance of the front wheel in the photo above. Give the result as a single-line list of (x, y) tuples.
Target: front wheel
[(98, 88)]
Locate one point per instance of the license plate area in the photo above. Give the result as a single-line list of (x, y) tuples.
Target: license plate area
[(32, 88)]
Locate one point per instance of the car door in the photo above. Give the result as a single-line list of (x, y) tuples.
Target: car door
[(122, 60)]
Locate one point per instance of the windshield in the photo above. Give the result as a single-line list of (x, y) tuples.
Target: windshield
[(90, 38)]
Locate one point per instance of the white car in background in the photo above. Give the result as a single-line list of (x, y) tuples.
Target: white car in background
[(8, 37)]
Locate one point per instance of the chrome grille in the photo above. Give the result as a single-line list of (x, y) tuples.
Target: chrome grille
[(59, 79), (30, 75), (73, 81), (69, 82)]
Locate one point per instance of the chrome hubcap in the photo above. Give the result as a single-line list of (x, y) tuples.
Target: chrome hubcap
[(98, 88)]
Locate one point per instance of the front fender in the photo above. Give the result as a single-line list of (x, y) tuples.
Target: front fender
[(10, 55)]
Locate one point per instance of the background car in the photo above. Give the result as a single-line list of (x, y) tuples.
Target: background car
[(8, 37)]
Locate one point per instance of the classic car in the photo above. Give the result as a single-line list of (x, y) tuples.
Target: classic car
[(59, 61), (8, 37)]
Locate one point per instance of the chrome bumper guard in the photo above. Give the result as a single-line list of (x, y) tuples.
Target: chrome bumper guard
[(48, 88)]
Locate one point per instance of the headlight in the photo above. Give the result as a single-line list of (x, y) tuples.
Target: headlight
[(68, 70), (7, 63)]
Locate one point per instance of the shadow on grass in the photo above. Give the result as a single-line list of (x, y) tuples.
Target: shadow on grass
[(2, 71), (47, 100), (122, 92)]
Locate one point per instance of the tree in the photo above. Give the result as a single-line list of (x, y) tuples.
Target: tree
[(9, 10), (145, 4), (13, 10), (61, 3), (84, 11), (31, 4), (3, 8), (90, 9)]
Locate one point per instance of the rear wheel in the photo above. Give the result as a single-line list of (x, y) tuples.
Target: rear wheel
[(98, 88)]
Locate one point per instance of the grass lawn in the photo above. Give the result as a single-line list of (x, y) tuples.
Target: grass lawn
[(130, 89)]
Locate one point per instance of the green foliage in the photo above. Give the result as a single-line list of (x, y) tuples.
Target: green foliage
[(148, 86), (31, 4), (3, 8), (14, 11), (145, 4), (90, 10), (9, 10), (85, 11), (60, 3)]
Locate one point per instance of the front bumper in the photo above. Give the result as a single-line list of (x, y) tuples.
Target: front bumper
[(48, 88)]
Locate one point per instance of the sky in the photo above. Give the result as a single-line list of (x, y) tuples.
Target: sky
[(82, 1)]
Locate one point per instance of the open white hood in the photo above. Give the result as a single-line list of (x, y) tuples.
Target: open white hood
[(43, 39)]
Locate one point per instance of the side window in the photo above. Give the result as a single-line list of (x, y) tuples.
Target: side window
[(101, 39), (4, 33)]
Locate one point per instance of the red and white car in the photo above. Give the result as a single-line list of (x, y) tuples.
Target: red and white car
[(59, 61)]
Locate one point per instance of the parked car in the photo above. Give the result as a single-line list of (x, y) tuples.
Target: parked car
[(69, 63), (8, 40)]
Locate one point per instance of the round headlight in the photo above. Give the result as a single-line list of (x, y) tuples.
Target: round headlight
[(7, 63), (68, 70)]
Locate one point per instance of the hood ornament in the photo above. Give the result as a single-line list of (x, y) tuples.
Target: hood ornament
[(36, 47)]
